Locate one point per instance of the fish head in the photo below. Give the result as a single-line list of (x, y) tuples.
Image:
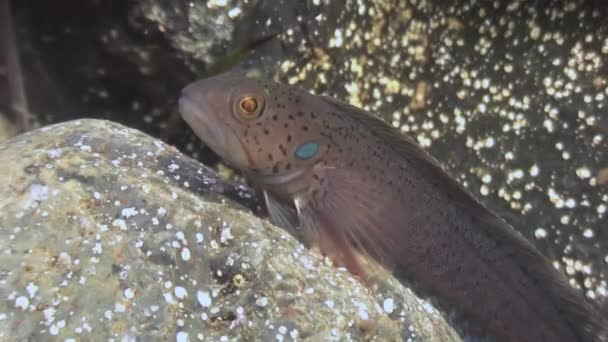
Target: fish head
[(265, 129)]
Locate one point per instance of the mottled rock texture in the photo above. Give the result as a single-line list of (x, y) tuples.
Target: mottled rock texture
[(7, 129), (107, 233)]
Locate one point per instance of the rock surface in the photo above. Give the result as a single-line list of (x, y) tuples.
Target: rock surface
[(107, 233), (7, 128)]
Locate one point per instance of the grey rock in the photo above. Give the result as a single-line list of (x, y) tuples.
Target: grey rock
[(107, 233), (206, 33), (7, 128), (204, 42)]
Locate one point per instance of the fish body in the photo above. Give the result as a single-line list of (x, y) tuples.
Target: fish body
[(353, 187)]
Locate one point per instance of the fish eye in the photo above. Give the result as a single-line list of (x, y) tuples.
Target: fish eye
[(307, 150), (250, 107)]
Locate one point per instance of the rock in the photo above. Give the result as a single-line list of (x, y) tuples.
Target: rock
[(7, 128), (107, 233), (117, 67), (207, 32)]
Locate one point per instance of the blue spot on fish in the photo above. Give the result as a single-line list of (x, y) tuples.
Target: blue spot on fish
[(307, 150)]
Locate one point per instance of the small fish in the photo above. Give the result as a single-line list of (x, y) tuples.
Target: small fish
[(363, 194)]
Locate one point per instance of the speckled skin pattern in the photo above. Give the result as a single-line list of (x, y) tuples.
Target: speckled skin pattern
[(370, 191)]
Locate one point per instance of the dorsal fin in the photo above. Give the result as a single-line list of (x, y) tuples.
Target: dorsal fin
[(405, 147)]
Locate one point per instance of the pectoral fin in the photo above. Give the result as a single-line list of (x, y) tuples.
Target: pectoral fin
[(282, 214), (357, 227), (317, 233)]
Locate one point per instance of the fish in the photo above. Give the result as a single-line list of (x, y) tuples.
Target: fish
[(360, 192)]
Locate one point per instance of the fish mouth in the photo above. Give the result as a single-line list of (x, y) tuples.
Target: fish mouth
[(273, 179), (202, 121)]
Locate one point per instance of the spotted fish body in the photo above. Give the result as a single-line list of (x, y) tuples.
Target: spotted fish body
[(353, 187)]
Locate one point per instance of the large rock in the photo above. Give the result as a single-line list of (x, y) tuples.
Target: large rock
[(7, 128), (107, 233)]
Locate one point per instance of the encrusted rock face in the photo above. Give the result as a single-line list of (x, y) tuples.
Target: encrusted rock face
[(107, 233), (7, 129)]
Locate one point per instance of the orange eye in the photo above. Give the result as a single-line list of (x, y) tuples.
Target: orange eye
[(250, 107)]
